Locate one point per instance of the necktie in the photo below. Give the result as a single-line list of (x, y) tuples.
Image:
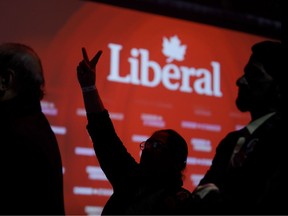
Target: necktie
[(240, 151)]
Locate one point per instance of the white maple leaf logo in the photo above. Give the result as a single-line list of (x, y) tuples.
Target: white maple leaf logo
[(173, 49)]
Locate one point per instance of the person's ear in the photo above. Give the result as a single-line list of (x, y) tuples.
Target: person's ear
[(6, 79)]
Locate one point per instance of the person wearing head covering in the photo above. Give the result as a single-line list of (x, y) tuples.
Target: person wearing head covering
[(30, 162), (152, 187), (247, 175)]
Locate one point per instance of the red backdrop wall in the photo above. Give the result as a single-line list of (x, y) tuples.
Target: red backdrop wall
[(189, 85)]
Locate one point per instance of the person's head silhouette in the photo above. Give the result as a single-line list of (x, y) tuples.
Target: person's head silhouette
[(259, 91), (164, 154), (21, 72)]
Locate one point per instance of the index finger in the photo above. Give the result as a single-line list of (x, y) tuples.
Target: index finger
[(85, 56)]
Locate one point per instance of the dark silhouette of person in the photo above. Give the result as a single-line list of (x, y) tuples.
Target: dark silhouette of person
[(248, 171), (30, 162), (152, 186)]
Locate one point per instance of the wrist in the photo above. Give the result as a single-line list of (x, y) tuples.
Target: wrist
[(88, 88)]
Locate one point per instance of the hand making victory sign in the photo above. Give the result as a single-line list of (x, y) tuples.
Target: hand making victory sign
[(86, 70), (86, 74)]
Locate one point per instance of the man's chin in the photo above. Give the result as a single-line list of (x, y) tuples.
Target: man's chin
[(243, 109)]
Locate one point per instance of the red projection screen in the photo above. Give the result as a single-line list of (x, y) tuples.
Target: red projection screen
[(155, 72)]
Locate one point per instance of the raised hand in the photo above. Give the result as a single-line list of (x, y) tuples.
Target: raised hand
[(86, 70)]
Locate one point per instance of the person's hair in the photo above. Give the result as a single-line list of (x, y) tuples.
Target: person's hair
[(270, 54), (178, 146), (27, 66)]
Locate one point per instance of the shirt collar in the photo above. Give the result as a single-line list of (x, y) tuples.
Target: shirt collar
[(252, 126)]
